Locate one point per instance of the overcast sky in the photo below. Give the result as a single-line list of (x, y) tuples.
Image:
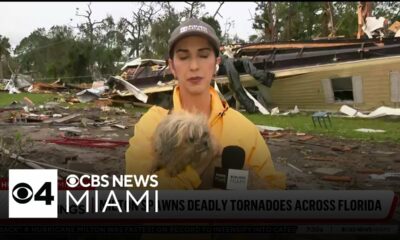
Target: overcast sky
[(19, 19)]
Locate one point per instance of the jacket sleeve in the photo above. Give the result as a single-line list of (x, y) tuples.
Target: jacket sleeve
[(261, 162), (139, 157)]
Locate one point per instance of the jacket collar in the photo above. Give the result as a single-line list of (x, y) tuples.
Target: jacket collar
[(218, 106)]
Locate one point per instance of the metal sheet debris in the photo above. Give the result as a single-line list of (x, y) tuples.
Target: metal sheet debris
[(260, 107), (385, 176), (373, 24), (379, 112), (132, 90), (91, 94)]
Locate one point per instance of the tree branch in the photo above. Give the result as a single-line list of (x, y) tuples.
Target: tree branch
[(219, 7)]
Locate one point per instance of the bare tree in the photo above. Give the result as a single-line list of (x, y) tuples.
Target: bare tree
[(88, 29), (90, 24), (193, 10), (227, 27), (271, 21), (266, 20), (137, 28), (167, 8), (217, 11)]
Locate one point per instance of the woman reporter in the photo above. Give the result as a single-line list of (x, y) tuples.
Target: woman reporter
[(193, 59)]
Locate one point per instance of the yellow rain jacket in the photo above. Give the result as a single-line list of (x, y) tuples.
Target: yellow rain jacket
[(228, 126)]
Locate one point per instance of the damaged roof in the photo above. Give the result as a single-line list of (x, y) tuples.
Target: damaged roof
[(281, 55), (143, 62)]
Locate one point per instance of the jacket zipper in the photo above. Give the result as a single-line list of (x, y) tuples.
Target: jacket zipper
[(221, 114)]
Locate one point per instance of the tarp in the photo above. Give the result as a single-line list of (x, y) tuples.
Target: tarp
[(10, 87), (18, 82), (22, 81), (236, 86), (229, 67)]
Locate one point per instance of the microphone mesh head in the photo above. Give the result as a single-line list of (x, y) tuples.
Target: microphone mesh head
[(233, 157)]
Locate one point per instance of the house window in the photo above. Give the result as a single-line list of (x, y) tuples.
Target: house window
[(342, 89)]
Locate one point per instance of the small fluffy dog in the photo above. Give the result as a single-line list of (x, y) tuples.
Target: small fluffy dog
[(183, 138)]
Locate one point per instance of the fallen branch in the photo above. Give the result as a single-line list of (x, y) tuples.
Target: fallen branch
[(333, 148), (295, 168), (36, 164), (337, 178), (319, 158), (309, 143)]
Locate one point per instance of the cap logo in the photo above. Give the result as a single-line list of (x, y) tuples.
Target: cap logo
[(193, 28)]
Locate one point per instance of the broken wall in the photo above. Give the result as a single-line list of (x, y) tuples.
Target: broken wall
[(307, 90)]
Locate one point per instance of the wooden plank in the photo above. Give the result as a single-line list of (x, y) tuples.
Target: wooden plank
[(320, 158), (371, 171), (156, 89), (67, 118), (337, 178)]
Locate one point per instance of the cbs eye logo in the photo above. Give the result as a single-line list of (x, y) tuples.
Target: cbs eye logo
[(22, 193), (33, 193)]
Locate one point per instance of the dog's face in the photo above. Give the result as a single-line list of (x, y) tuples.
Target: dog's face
[(182, 138)]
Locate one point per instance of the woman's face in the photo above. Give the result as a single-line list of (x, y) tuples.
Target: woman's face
[(193, 64)]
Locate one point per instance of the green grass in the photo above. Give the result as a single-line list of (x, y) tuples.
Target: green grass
[(6, 99), (341, 127), (39, 99)]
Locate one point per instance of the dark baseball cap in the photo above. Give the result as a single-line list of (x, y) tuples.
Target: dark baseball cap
[(192, 27)]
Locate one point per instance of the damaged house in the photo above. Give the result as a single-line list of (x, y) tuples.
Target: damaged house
[(324, 75), (313, 75)]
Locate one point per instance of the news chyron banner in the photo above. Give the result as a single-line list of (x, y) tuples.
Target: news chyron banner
[(39, 194)]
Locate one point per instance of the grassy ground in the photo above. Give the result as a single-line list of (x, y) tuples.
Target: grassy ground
[(342, 127), (6, 99), (39, 99)]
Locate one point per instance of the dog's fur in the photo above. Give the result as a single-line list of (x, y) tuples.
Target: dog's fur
[(183, 138)]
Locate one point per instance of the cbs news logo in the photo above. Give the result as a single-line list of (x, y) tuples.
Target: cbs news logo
[(32, 193)]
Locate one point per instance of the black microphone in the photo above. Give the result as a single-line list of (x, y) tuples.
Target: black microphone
[(231, 176)]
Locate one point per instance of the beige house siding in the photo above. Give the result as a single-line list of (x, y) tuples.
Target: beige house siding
[(307, 90)]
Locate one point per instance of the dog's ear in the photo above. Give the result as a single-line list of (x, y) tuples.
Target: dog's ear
[(166, 139)]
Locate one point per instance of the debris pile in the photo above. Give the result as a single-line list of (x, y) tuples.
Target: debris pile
[(315, 162)]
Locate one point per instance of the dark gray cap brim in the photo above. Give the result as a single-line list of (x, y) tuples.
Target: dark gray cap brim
[(214, 42)]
